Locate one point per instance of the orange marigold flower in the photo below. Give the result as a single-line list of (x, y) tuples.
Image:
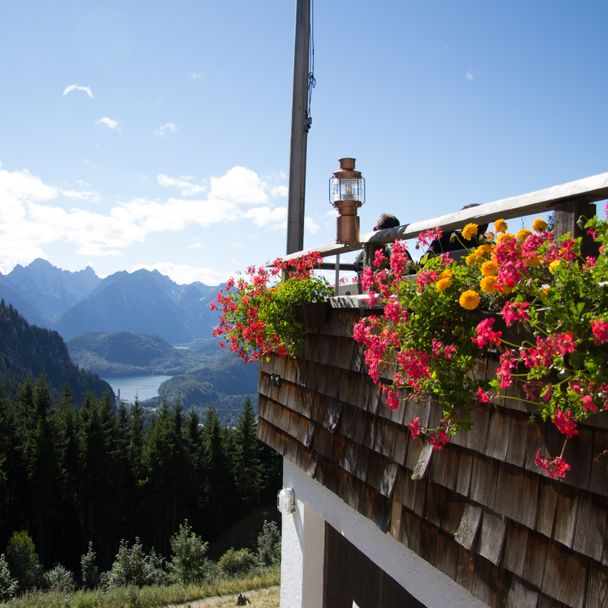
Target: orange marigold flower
[(523, 234), (533, 261), (503, 236), (469, 231), (471, 259), (500, 225), (469, 299), (443, 284), (488, 284), (489, 268), (555, 264), (539, 224), (446, 274)]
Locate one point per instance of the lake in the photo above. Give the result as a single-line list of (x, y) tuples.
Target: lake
[(144, 387)]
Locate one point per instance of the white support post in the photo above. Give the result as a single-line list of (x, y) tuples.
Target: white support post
[(302, 557)]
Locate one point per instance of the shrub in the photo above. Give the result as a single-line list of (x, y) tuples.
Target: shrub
[(155, 569), (60, 579), (23, 561), (269, 544), (189, 563), (8, 584), (90, 573), (128, 567), (237, 561)]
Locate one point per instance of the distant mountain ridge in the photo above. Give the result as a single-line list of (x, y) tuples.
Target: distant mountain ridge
[(27, 351), (77, 303), (42, 292)]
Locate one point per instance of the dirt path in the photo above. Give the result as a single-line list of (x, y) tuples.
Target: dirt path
[(262, 598)]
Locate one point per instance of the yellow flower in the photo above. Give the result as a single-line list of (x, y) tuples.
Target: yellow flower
[(555, 264), (489, 268), (443, 284), (539, 224), (471, 259), (469, 299), (505, 290), (500, 226), (533, 262), (488, 284), (504, 236), (469, 231), (523, 234), (446, 274), (483, 251)]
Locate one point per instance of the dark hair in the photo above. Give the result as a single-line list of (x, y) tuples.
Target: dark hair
[(386, 220)]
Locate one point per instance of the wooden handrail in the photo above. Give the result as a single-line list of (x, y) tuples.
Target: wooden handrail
[(582, 191)]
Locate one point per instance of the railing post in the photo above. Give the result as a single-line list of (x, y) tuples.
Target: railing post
[(567, 216)]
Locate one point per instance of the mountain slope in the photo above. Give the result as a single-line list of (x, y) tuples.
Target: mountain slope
[(29, 351), (144, 302), (128, 353), (42, 292)]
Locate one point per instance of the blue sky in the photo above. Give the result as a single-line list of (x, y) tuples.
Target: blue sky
[(156, 134)]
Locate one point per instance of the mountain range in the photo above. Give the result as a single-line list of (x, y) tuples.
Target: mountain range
[(77, 303)]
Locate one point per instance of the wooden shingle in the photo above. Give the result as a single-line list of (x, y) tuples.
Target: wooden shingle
[(565, 577), (492, 537)]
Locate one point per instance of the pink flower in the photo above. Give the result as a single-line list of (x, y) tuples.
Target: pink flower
[(515, 311), (599, 327), (483, 396), (556, 467), (392, 399), (588, 405), (426, 237), (486, 336), (415, 428), (564, 422)]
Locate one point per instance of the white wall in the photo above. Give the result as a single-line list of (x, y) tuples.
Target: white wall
[(302, 559)]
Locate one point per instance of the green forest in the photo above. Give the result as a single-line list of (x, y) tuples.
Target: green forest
[(70, 476)]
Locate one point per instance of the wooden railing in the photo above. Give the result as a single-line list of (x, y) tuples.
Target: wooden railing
[(567, 201)]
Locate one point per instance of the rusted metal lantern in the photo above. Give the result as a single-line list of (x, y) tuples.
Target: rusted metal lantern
[(347, 194)]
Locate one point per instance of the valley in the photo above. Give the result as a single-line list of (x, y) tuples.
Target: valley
[(140, 327)]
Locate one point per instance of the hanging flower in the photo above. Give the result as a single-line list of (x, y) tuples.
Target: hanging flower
[(469, 299)]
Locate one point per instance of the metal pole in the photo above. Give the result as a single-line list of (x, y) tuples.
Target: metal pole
[(299, 130)]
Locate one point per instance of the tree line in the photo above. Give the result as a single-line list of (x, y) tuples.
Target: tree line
[(70, 476)]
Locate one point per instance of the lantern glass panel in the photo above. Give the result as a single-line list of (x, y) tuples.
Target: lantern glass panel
[(347, 189)]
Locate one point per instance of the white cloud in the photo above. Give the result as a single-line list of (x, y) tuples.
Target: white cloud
[(184, 274), (279, 191), (239, 185), (166, 127), (34, 214), (196, 75), (76, 87), (81, 195), (184, 184), (470, 74), (106, 121), (310, 225), (268, 217), (195, 245)]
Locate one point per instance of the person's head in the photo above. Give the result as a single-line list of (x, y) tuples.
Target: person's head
[(386, 220)]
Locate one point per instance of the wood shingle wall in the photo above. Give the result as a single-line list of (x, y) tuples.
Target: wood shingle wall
[(481, 512)]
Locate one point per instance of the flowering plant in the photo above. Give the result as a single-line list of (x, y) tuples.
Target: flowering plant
[(527, 299), (260, 312)]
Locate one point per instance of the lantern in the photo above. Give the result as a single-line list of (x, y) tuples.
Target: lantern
[(347, 194)]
